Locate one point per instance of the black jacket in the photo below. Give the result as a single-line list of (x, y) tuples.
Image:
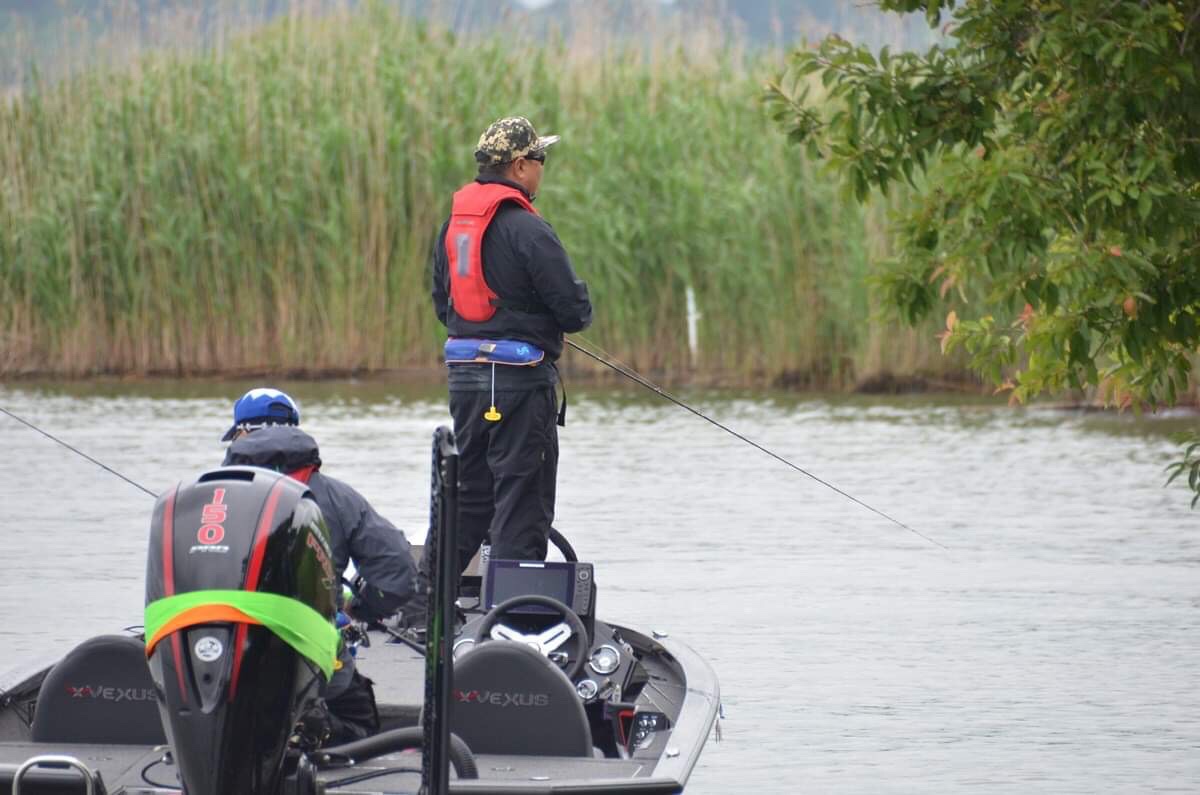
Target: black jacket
[(524, 263), (380, 552)]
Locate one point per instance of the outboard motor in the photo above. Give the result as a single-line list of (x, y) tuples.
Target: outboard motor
[(240, 603)]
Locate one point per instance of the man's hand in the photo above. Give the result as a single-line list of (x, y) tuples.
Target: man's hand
[(313, 728)]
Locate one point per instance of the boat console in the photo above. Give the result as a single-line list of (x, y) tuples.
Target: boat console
[(549, 607)]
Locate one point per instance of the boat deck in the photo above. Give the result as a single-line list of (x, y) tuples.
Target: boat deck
[(139, 770), (397, 670)]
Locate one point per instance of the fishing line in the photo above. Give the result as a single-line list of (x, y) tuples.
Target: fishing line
[(629, 373), (77, 451)]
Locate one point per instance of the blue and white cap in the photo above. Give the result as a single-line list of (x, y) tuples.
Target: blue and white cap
[(263, 406)]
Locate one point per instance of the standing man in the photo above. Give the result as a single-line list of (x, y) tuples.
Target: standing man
[(505, 290)]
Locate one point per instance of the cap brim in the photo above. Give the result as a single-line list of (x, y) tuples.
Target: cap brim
[(545, 142)]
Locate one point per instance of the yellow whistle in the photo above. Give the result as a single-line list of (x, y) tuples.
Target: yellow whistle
[(491, 415)]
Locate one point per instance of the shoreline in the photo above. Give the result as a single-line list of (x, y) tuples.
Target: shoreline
[(885, 383), (878, 384)]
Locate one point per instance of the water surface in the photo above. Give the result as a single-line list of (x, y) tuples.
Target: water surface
[(1055, 647)]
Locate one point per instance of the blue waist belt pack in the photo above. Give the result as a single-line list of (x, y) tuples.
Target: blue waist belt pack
[(461, 350)]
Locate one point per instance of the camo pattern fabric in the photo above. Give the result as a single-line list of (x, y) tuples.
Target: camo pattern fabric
[(507, 139)]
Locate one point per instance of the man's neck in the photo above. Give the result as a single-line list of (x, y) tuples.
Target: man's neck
[(488, 179)]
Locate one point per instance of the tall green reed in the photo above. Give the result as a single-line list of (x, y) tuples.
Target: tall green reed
[(270, 204)]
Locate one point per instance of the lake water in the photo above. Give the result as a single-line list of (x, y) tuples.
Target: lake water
[(1054, 647)]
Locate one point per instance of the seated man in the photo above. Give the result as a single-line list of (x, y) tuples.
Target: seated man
[(264, 435)]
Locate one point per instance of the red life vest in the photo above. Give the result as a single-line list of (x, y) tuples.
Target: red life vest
[(474, 207), (303, 473)]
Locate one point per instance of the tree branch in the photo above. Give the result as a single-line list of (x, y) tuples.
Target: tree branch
[(1187, 29)]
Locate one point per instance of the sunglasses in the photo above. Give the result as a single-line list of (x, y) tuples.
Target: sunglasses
[(540, 157)]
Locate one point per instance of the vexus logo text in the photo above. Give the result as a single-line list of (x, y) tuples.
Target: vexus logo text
[(105, 693), (497, 699)]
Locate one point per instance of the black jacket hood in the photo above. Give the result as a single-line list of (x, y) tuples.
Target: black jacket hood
[(284, 448)]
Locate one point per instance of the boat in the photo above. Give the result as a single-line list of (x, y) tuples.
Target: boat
[(514, 685)]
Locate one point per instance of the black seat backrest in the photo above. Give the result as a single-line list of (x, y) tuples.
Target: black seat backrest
[(509, 699), (101, 692)]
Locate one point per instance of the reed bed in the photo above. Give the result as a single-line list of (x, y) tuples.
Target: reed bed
[(269, 205)]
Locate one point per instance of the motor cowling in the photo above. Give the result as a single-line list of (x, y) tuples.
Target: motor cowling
[(241, 597)]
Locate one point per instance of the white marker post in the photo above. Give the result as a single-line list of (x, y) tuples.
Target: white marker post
[(693, 321)]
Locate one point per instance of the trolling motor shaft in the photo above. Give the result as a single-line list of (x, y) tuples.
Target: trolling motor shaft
[(442, 546)]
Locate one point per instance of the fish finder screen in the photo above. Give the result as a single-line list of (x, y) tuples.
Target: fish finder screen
[(508, 580)]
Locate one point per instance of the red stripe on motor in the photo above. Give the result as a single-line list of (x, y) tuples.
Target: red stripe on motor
[(168, 534), (258, 551), (168, 538), (239, 639), (260, 537)]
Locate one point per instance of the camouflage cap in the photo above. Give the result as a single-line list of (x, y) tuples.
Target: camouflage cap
[(507, 139)]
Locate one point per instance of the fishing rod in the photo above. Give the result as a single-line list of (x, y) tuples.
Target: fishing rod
[(348, 630), (77, 451), (642, 381), (623, 370)]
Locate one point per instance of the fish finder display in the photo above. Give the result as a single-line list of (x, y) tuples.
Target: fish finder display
[(530, 578), (569, 583)]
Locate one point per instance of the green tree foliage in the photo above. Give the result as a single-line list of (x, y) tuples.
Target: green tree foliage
[(1189, 465), (1054, 146)]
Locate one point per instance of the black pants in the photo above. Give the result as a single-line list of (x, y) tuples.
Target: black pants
[(352, 712), (507, 472)]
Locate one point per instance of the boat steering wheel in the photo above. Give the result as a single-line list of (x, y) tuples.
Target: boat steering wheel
[(545, 642)]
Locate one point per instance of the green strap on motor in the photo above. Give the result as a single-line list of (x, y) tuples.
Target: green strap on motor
[(308, 632)]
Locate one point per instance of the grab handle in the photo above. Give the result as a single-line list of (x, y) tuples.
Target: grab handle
[(56, 760)]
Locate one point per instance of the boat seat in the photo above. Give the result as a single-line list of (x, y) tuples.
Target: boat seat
[(101, 692), (509, 699)]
